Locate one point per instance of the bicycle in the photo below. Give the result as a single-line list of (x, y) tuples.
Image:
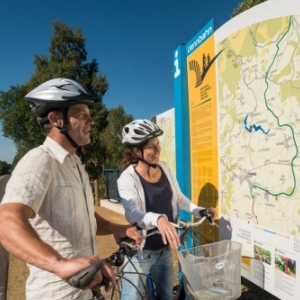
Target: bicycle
[(126, 248), (196, 283)]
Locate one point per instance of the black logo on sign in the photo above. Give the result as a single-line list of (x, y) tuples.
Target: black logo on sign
[(206, 64)]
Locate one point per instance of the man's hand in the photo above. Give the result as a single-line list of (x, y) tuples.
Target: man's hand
[(122, 231), (168, 232), (66, 268), (119, 231), (106, 272)]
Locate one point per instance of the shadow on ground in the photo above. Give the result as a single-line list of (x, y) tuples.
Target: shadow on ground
[(250, 291)]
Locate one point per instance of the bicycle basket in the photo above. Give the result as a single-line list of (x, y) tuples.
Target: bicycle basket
[(212, 271)]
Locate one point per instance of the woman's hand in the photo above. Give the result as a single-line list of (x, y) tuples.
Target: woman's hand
[(213, 212), (202, 212), (168, 232)]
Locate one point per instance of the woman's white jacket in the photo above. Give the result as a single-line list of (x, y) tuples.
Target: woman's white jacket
[(133, 199)]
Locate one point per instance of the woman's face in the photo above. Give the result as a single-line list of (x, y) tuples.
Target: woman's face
[(152, 151)]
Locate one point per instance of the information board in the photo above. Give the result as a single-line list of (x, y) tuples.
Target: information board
[(242, 118)]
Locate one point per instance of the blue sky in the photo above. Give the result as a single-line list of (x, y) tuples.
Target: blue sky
[(132, 41)]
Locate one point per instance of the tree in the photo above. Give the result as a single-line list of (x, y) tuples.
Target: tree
[(246, 4), (67, 59), (4, 168), (112, 137)]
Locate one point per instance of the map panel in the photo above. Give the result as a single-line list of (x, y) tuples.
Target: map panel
[(259, 124), (166, 121)]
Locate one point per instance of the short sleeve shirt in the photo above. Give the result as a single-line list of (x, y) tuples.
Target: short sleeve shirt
[(56, 186)]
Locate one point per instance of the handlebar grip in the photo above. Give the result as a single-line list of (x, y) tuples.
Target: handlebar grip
[(84, 277), (205, 213)]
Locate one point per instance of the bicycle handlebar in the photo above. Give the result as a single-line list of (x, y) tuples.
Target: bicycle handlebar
[(128, 248), (187, 225), (83, 278), (184, 225)]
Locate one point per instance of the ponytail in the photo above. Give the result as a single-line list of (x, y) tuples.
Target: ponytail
[(129, 158)]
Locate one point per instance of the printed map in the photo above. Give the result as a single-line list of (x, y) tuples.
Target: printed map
[(259, 121), (166, 121)]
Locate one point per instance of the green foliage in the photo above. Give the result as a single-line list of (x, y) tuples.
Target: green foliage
[(67, 59), (111, 137), (246, 4), (106, 148), (5, 167), (17, 119), (95, 151)]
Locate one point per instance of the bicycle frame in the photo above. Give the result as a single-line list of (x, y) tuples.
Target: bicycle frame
[(83, 277), (129, 249)]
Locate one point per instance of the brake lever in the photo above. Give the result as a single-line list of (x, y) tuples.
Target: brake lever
[(212, 222), (205, 213), (129, 247)]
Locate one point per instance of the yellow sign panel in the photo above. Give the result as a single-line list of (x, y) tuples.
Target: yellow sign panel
[(203, 125)]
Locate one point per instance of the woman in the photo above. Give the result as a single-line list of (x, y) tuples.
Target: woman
[(152, 198)]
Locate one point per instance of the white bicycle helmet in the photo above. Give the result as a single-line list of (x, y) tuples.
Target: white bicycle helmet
[(139, 132), (58, 93)]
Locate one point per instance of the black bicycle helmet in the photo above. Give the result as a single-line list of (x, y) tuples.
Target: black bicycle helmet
[(139, 132), (58, 93)]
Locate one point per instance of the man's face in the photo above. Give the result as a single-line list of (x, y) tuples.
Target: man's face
[(80, 123)]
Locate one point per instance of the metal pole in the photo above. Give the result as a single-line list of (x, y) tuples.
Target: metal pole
[(96, 189)]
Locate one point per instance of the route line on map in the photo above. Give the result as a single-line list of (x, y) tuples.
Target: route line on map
[(277, 119)]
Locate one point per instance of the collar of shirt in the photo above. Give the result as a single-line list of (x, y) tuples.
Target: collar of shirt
[(57, 150)]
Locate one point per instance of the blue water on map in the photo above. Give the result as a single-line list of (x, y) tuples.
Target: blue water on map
[(254, 127)]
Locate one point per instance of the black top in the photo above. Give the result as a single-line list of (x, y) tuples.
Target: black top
[(158, 197)]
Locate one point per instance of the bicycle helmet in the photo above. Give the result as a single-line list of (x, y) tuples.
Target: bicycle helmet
[(58, 93), (139, 132)]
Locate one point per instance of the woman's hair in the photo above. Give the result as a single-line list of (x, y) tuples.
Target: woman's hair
[(129, 157)]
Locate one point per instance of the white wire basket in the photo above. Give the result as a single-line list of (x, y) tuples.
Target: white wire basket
[(212, 271)]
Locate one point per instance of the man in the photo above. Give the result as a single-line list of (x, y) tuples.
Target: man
[(47, 216)]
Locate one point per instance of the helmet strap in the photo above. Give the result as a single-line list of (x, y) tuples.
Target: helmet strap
[(42, 121), (63, 131), (150, 165), (78, 148), (144, 161)]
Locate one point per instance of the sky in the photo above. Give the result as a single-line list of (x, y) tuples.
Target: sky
[(132, 41)]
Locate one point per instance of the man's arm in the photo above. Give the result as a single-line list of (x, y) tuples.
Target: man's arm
[(105, 227), (19, 238)]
